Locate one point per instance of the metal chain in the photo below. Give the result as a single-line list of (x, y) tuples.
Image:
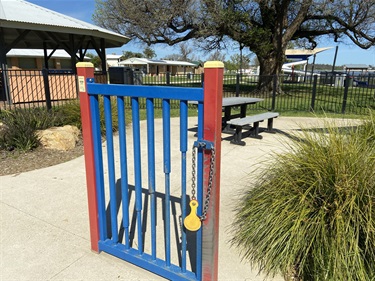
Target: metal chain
[(210, 179), (193, 165), (209, 187)]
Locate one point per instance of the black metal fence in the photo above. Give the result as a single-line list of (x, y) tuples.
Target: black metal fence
[(31, 88), (324, 93), (328, 92), (39, 88)]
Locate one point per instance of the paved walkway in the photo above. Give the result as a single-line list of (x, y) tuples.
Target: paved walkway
[(44, 222)]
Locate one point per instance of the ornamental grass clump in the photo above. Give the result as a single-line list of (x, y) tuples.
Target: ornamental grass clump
[(19, 126), (311, 214)]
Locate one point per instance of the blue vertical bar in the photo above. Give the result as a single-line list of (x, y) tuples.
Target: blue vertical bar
[(98, 157), (200, 189), (183, 149), (151, 171), (111, 167), (137, 170), (167, 170), (124, 169)]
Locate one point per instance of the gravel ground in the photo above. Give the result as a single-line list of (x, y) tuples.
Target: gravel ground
[(15, 162)]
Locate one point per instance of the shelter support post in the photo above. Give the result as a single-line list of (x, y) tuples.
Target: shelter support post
[(103, 56), (3, 50), (213, 92), (85, 70), (4, 91)]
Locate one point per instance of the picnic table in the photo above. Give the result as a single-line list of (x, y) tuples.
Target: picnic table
[(235, 123), (229, 104)]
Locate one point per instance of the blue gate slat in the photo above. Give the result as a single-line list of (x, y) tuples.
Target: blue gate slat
[(161, 92), (183, 149), (111, 167), (145, 261), (98, 156), (124, 170), (199, 188), (137, 171), (151, 171), (167, 170)]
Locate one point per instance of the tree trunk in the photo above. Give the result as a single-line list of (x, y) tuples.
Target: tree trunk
[(269, 67)]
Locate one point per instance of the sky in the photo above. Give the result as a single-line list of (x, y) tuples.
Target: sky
[(84, 9)]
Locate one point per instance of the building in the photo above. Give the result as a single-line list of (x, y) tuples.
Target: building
[(113, 60), (33, 59), (156, 67)]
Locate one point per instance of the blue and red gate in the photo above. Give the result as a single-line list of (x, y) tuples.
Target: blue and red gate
[(125, 206)]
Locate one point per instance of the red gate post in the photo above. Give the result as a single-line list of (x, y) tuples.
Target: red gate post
[(86, 70), (213, 99)]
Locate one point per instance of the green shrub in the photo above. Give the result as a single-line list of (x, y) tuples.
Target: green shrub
[(71, 114), (311, 213), (20, 125)]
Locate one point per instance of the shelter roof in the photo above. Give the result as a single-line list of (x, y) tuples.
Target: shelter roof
[(46, 26), (296, 54)]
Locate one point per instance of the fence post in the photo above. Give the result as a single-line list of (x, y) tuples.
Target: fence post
[(273, 105), (237, 85), (46, 88), (346, 89), (86, 70), (168, 78), (213, 94), (4, 75), (313, 96)]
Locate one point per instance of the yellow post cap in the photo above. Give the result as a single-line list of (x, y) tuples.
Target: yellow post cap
[(214, 64), (84, 64)]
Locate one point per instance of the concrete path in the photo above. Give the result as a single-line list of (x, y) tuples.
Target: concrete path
[(44, 231)]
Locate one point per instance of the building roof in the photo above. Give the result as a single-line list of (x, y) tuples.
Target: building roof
[(113, 56), (139, 61), (22, 16), (38, 53), (357, 66)]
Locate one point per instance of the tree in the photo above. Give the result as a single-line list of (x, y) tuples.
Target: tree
[(95, 60), (149, 53), (238, 62), (130, 54), (217, 55), (266, 27), (185, 53)]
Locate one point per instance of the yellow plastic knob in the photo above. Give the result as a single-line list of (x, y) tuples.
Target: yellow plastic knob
[(192, 222)]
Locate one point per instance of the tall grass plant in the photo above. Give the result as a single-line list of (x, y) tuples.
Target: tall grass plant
[(18, 129), (310, 215)]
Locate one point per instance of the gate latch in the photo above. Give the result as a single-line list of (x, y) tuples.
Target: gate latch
[(203, 144)]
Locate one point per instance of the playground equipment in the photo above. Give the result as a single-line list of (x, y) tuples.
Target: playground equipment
[(136, 220)]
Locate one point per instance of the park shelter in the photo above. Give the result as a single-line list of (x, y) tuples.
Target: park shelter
[(24, 25), (352, 68), (297, 54), (300, 57)]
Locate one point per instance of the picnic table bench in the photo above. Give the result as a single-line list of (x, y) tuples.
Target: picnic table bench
[(240, 123)]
